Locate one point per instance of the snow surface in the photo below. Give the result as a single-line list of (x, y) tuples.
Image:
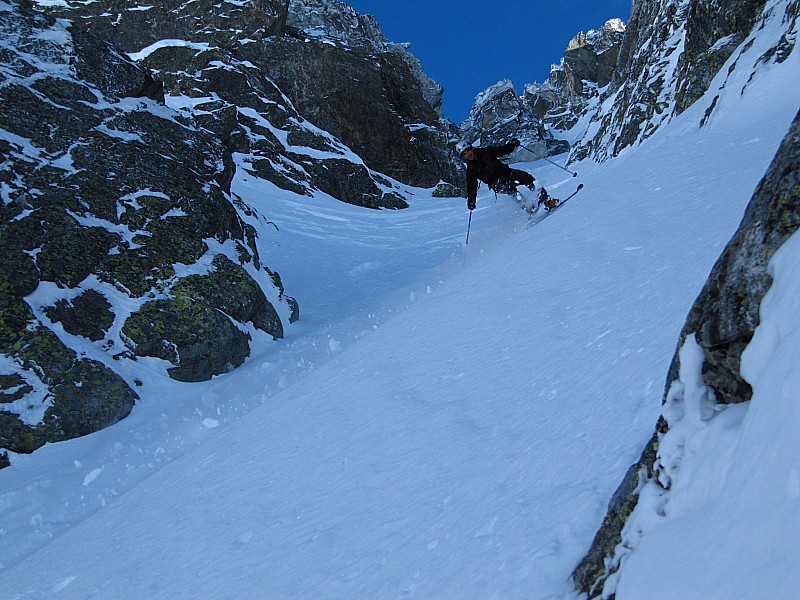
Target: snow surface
[(450, 421), (735, 509)]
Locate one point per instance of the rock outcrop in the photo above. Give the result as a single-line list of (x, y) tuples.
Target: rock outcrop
[(545, 109), (499, 115), (273, 78), (650, 86), (669, 56), (122, 127), (585, 70), (119, 237)]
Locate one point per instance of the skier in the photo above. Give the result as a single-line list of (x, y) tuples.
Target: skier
[(483, 164)]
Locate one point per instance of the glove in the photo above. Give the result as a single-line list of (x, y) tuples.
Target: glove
[(515, 142), (471, 203)]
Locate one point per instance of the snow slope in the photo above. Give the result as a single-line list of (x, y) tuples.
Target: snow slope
[(444, 421), (735, 512)]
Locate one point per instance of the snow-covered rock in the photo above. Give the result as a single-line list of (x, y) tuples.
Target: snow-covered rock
[(120, 239), (498, 115), (586, 68), (670, 57), (285, 62), (546, 110), (147, 112)]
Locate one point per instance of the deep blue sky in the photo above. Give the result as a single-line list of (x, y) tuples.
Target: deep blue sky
[(468, 45)]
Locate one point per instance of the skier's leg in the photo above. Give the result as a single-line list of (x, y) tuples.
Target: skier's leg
[(523, 178), (546, 199), (517, 178), (505, 185)]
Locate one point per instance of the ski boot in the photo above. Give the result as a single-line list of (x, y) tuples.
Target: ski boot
[(549, 202)]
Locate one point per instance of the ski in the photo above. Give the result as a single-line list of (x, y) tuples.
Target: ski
[(538, 215), (562, 202)]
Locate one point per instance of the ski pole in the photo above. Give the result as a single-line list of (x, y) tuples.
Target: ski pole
[(574, 174), (468, 227)]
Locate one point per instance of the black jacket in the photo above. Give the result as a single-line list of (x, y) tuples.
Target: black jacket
[(486, 167)]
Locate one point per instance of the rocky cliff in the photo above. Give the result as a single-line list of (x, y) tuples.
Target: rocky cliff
[(670, 54), (587, 67), (314, 72), (119, 238), (498, 115), (615, 86), (722, 321)]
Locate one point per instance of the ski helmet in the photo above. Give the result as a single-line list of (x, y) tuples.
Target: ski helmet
[(461, 146)]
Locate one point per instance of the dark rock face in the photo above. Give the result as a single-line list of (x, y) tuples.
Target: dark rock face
[(132, 27), (88, 315), (647, 91), (260, 66), (727, 311), (193, 331), (592, 57), (77, 396), (370, 101), (123, 128), (198, 339), (714, 29), (723, 320), (106, 195)]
